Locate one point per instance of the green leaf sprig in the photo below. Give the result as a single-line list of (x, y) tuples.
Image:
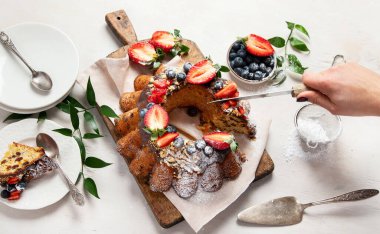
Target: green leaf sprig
[(73, 107), (290, 60)]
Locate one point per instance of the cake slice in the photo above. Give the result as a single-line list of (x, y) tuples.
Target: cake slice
[(17, 159)]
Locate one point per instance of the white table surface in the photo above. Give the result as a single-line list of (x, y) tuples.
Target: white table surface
[(345, 27)]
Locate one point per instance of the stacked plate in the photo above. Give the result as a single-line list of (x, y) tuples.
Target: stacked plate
[(45, 48)]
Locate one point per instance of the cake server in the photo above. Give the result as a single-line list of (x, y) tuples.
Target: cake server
[(297, 89), (287, 210)]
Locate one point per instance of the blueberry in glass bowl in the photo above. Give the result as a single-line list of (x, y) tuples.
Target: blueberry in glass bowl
[(252, 59)]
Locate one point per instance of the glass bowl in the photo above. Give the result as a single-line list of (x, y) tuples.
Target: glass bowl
[(316, 125)]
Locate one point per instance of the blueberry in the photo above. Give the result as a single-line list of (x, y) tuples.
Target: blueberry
[(218, 84), (249, 59), (11, 187), (178, 142), (246, 68), (150, 104), (262, 67), (238, 62), (258, 75), (251, 76), (263, 75), (232, 55), (271, 62), (238, 70), (142, 112), (268, 70), (171, 128), (242, 46), (244, 73), (181, 76), (191, 149), (192, 111), (208, 150), (267, 61), (242, 53), (21, 186), (232, 64), (187, 66), (170, 74), (200, 144), (256, 60), (5, 194), (253, 67), (236, 45)]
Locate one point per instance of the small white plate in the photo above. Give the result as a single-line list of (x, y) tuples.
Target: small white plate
[(45, 48), (51, 187)]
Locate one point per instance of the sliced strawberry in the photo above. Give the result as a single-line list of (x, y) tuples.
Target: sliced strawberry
[(233, 102), (166, 139), (15, 195), (219, 140), (157, 99), (226, 105), (156, 118), (259, 46), (227, 91), (163, 40), (161, 83), (13, 180), (241, 110), (201, 73), (142, 53), (236, 94), (159, 91)]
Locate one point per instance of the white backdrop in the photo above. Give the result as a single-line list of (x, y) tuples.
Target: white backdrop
[(345, 27)]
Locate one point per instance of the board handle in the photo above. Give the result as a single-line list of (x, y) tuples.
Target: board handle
[(122, 27)]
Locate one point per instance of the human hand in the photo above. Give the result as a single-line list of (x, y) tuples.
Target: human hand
[(346, 89)]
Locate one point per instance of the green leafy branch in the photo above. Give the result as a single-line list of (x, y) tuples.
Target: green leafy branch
[(73, 107), (290, 60)]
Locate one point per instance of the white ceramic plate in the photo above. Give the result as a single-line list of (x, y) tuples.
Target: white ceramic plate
[(50, 188), (45, 48)]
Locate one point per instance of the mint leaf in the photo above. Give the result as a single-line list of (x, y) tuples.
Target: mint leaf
[(64, 131), (74, 117), (90, 186), (233, 146), (75, 102), (160, 54), (295, 65), (64, 107), (94, 162), (224, 69), (16, 116), (91, 136), (42, 116), (290, 25), (81, 148), (298, 44), (278, 42), (177, 33), (90, 93), (91, 121), (183, 49), (107, 111), (302, 29)]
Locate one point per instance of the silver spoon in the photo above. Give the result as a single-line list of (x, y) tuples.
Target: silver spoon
[(40, 79), (51, 150), (287, 211)]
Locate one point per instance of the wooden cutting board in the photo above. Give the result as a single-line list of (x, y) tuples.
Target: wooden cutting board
[(164, 211)]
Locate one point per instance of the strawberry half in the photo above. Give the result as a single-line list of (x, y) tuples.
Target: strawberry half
[(142, 53), (156, 119), (163, 40), (201, 73), (15, 195), (258, 46), (161, 83), (219, 140), (227, 91), (13, 180), (166, 139)]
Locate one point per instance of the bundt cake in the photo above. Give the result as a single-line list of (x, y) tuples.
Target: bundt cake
[(156, 150)]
